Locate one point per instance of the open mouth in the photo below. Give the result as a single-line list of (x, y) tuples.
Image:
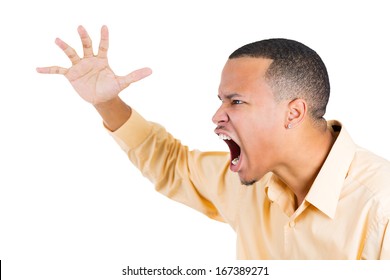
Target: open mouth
[(235, 150)]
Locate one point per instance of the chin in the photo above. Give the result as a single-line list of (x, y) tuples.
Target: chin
[(248, 182)]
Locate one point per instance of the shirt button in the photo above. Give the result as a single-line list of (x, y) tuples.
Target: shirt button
[(291, 224)]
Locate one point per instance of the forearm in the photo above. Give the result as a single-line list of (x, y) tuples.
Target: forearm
[(114, 113)]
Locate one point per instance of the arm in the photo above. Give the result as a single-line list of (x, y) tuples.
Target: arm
[(95, 82), (188, 177), (200, 180), (385, 250)]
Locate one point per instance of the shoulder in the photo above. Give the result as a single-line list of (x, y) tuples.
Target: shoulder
[(371, 174), (370, 168)]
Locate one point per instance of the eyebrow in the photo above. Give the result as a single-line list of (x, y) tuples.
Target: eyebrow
[(229, 96)]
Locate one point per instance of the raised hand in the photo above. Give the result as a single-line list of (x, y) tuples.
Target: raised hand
[(91, 76)]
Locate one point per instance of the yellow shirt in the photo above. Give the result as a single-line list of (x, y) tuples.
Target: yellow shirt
[(345, 215)]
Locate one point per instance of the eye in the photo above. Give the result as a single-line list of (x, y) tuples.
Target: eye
[(236, 102)]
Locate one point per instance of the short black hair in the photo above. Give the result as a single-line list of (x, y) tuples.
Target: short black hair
[(296, 71)]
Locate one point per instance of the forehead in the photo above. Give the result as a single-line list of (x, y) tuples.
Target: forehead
[(242, 73)]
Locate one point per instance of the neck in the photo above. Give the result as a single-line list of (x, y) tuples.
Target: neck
[(303, 158)]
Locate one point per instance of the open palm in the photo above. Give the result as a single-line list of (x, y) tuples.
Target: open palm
[(91, 76)]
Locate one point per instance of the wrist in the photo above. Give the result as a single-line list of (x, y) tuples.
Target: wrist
[(114, 112)]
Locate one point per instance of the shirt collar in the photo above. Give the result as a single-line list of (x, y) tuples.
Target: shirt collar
[(278, 192), (325, 191)]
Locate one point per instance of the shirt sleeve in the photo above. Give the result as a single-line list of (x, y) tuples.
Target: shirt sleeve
[(201, 180), (385, 252)]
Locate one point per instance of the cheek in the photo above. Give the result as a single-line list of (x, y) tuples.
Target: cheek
[(259, 129), (262, 133), (264, 136), (264, 123)]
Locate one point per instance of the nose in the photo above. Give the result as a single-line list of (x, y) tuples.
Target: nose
[(220, 116)]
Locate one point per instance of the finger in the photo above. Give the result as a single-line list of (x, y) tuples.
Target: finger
[(70, 52), (86, 41), (134, 76), (52, 70), (103, 47)]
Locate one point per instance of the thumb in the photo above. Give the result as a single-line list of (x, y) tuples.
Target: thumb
[(125, 81)]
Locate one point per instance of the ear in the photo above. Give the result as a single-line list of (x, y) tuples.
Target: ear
[(296, 113)]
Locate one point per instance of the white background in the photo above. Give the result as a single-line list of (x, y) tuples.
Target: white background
[(71, 204)]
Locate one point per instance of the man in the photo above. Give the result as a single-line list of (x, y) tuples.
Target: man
[(294, 186)]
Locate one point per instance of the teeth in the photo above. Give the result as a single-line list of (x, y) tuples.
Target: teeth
[(235, 161), (224, 137)]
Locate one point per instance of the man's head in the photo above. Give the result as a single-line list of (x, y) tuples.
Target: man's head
[(296, 71), (269, 88)]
